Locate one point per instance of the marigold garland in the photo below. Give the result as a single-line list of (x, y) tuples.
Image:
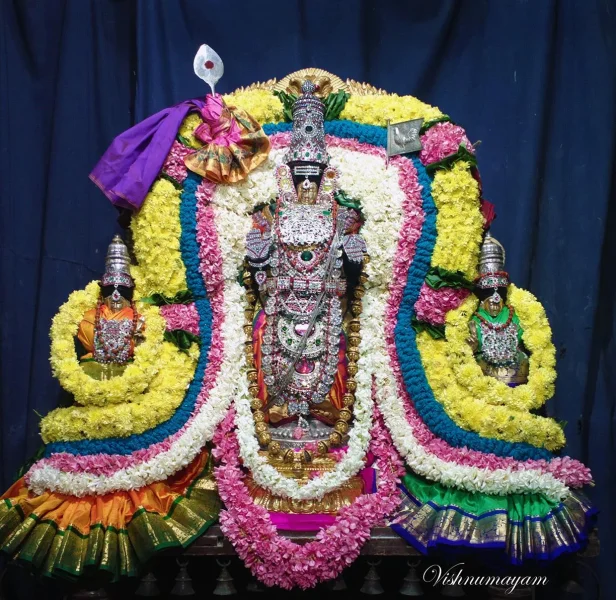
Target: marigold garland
[(156, 237), (187, 130), (155, 405), (441, 363), (65, 365), (260, 104), (537, 339), (379, 109)]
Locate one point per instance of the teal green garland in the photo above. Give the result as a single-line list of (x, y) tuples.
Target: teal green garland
[(190, 256)]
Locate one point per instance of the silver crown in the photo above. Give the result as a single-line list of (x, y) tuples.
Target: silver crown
[(308, 136), (492, 257), (117, 264)]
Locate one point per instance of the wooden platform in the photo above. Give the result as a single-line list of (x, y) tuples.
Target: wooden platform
[(383, 542)]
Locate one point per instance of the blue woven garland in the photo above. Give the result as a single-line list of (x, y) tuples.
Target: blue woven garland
[(190, 256), (430, 410)]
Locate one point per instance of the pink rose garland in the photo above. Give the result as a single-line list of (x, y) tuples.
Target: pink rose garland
[(432, 305), (276, 560), (174, 163), (442, 140), (181, 316)]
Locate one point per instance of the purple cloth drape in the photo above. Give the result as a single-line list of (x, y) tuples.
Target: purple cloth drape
[(134, 159)]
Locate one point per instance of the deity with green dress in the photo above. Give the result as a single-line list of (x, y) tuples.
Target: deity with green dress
[(495, 332)]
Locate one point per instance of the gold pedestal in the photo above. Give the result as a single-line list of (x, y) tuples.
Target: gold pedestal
[(331, 503)]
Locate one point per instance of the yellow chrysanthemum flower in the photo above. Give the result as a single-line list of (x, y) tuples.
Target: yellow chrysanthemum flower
[(147, 410)]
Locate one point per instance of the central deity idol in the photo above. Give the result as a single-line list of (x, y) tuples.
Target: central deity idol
[(304, 256)]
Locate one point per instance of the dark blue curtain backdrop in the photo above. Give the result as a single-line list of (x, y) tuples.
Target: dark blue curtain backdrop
[(534, 81)]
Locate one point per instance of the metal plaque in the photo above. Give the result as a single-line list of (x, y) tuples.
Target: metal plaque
[(403, 137)]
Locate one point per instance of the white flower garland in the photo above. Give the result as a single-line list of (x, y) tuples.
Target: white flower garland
[(185, 448), (473, 479), (363, 177)]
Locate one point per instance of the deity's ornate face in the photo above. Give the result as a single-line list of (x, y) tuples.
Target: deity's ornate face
[(493, 281), (307, 192), (116, 297), (494, 303), (307, 155)]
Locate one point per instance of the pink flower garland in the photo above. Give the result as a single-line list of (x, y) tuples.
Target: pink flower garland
[(181, 316), (174, 163), (432, 305), (568, 470), (276, 560), (442, 140), (211, 269), (207, 238)]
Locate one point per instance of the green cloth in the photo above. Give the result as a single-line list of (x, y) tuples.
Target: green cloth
[(502, 317), (517, 527), (518, 506)]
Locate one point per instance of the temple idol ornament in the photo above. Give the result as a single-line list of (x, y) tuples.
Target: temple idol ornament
[(109, 332), (296, 253), (495, 332), (335, 414)]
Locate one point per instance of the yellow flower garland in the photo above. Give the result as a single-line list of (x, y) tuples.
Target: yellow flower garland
[(65, 365), (378, 109), (260, 104), (147, 410), (459, 222), (156, 236), (483, 404), (537, 339), (369, 110), (187, 129)]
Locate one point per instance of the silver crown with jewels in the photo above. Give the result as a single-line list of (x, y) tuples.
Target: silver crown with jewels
[(117, 265), (308, 136), (492, 264), (492, 257)]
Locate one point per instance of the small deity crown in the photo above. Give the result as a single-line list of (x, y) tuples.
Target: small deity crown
[(117, 265), (308, 136), (492, 264)]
